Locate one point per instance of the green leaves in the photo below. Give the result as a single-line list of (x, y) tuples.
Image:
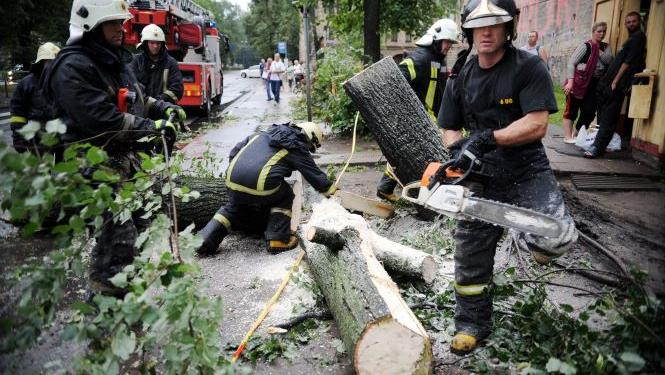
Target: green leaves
[(29, 130), (556, 366), (632, 361), (123, 343)]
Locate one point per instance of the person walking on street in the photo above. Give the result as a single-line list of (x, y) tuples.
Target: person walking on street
[(298, 75), (86, 83), (28, 102), (266, 78), (533, 48), (616, 84), (157, 71), (277, 68), (255, 180), (502, 97), (290, 75), (425, 70), (586, 65), (261, 66)]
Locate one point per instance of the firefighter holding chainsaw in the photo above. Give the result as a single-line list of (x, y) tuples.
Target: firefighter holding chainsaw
[(97, 96), (425, 70), (256, 186), (155, 68), (503, 98)]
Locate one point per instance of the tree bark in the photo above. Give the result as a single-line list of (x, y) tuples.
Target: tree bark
[(404, 131), (199, 211), (372, 40), (375, 323)]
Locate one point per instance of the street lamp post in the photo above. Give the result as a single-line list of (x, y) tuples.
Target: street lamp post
[(307, 72)]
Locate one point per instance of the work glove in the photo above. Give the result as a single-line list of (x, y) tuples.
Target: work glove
[(168, 129), (474, 148), (182, 116)]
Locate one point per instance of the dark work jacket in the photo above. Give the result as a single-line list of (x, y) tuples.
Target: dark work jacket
[(260, 162), (426, 72), (83, 83), (633, 52), (162, 78), (28, 103)]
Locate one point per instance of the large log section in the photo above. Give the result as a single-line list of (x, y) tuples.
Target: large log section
[(375, 323), (404, 131)]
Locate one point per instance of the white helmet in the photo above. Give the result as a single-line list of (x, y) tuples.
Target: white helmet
[(443, 29), (313, 132), (153, 33), (88, 14), (47, 51)]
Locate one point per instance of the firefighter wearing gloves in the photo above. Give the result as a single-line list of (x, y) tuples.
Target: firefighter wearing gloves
[(502, 97), (28, 101), (155, 68), (425, 70), (95, 93), (255, 177)]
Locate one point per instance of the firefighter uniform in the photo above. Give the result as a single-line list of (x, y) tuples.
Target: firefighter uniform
[(255, 177), (162, 78), (481, 101), (84, 83)]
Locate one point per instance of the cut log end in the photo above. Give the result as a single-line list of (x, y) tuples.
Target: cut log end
[(413, 355), (428, 270), (331, 239)]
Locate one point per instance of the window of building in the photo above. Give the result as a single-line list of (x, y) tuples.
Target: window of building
[(393, 38)]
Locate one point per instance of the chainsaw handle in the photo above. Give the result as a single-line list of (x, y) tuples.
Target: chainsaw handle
[(407, 189)]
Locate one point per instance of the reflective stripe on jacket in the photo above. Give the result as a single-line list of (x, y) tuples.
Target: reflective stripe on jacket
[(426, 73)]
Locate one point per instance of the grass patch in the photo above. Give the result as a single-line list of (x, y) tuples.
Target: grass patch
[(557, 118)]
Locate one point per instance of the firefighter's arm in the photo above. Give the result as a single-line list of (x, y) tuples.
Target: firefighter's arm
[(238, 147), (408, 69), (19, 106), (304, 163), (527, 129), (174, 86), (92, 110)]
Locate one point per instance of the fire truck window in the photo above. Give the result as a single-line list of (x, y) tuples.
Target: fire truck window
[(187, 76)]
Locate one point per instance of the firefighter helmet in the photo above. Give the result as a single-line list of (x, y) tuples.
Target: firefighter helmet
[(443, 29), (481, 13), (313, 132), (88, 14), (46, 51), (151, 32)]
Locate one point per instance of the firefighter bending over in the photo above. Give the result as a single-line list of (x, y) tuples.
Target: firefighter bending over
[(97, 96), (155, 68), (255, 177), (425, 70)]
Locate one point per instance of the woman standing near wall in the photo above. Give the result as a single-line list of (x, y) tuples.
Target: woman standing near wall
[(585, 67)]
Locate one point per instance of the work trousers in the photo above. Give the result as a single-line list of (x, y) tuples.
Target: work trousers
[(609, 110), (240, 212), (528, 185)]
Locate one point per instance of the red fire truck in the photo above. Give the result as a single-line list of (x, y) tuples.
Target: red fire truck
[(192, 39)]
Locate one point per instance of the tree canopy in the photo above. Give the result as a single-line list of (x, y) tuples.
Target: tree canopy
[(271, 21)]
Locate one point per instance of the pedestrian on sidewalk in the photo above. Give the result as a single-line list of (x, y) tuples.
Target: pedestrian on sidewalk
[(617, 82), (266, 77), (255, 183), (502, 97), (290, 75), (28, 102), (261, 66), (277, 68), (534, 48), (586, 65)]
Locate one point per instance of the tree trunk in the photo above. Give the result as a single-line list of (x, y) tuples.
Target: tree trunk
[(372, 41), (405, 132), (199, 211), (375, 323)]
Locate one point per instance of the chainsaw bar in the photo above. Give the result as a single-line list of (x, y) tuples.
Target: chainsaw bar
[(507, 215)]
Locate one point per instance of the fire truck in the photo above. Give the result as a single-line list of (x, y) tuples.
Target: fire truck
[(192, 39)]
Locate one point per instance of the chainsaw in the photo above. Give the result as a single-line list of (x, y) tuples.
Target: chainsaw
[(449, 198)]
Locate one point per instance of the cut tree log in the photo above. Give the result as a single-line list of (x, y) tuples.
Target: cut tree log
[(355, 202), (375, 323), (406, 134), (199, 211), (395, 257)]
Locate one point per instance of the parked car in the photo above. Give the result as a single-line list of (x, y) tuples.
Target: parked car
[(251, 72)]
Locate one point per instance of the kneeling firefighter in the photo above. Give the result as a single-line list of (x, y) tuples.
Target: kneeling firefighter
[(255, 177), (95, 93)]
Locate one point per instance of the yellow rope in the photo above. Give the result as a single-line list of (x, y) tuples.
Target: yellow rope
[(266, 309), (353, 149)]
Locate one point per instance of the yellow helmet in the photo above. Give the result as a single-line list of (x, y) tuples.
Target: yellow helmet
[(47, 51), (313, 132)]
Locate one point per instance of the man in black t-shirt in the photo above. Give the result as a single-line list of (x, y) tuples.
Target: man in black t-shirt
[(502, 97), (616, 84)]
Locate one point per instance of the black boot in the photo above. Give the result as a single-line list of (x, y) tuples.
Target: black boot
[(213, 234)]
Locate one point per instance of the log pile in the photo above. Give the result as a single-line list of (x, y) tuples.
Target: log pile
[(375, 323)]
